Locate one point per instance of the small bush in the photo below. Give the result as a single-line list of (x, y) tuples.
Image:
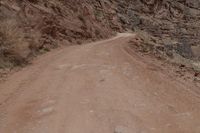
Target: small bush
[(13, 47)]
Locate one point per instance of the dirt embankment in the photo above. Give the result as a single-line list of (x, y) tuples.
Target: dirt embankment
[(168, 30), (31, 26)]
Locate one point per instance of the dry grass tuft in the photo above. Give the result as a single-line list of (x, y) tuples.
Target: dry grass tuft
[(13, 47)]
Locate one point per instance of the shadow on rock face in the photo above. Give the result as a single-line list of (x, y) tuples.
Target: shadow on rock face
[(184, 49)]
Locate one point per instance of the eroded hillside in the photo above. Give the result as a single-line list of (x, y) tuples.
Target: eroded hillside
[(29, 27)]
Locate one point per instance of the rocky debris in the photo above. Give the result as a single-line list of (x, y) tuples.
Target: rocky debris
[(122, 129)]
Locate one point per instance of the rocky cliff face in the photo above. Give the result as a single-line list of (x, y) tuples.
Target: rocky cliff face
[(43, 25), (31, 26), (174, 23)]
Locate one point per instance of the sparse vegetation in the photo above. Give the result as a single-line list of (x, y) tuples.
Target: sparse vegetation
[(13, 45)]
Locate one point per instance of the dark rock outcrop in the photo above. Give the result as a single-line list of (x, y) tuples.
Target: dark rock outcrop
[(174, 19)]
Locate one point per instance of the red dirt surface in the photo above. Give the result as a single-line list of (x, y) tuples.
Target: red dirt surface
[(94, 88)]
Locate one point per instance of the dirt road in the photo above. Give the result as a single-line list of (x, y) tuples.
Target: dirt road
[(97, 88)]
